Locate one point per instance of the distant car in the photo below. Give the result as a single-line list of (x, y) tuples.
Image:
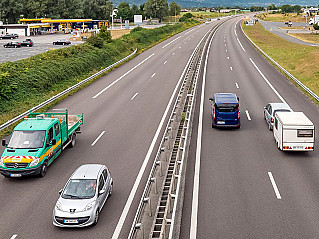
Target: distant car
[(83, 197), (218, 18), (62, 42), (8, 36), (271, 109), (207, 22), (15, 35), (27, 42), (12, 44)]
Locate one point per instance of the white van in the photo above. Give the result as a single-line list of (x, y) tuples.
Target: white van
[(293, 131)]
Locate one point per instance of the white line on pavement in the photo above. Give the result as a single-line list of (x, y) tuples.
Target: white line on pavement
[(153, 75), (231, 68), (225, 44), (130, 198), (226, 50), (241, 45), (235, 32), (189, 31), (97, 139), (185, 42), (171, 41), (109, 86), (134, 96), (270, 85), (274, 185), (165, 62), (179, 47), (14, 236), (248, 116), (237, 86), (193, 227), (173, 53), (228, 57)]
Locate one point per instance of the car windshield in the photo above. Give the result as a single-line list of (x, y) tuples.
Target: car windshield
[(27, 139), (227, 107), (80, 189), (281, 110)]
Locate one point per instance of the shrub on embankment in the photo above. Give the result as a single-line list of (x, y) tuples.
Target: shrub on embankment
[(26, 83)]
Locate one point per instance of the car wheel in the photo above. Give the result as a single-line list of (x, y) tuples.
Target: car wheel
[(72, 144), (63, 44), (96, 218), (28, 45), (44, 168), (15, 46), (111, 190)]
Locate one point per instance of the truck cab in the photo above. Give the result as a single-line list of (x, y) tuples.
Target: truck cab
[(225, 110), (36, 142)]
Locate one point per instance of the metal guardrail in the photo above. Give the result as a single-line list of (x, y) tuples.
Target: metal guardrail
[(53, 98), (283, 69)]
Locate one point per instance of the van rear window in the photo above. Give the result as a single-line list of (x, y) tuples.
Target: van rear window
[(305, 133), (227, 107)]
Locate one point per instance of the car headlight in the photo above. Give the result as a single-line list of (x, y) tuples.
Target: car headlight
[(58, 206), (89, 206), (1, 162), (34, 162)]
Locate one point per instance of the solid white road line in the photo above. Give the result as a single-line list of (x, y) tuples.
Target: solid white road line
[(235, 32), (153, 75), (237, 86), (274, 185), (165, 62), (248, 116), (241, 45), (270, 85), (134, 96), (97, 139), (193, 227), (14, 236), (130, 198), (231, 68), (109, 86), (171, 42)]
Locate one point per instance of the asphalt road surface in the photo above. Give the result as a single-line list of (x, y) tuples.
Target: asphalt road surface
[(246, 187), (128, 104)]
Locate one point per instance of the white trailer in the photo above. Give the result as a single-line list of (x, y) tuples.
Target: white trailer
[(293, 131)]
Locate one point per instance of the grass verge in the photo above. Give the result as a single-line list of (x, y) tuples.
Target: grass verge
[(299, 60), (28, 82), (281, 17), (311, 37)]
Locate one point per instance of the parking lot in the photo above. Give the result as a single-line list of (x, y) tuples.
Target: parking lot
[(42, 43)]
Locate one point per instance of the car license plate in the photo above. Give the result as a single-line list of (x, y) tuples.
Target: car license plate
[(297, 147), (70, 221), (15, 175), (220, 122)]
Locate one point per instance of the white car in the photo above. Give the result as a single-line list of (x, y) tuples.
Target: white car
[(271, 109), (83, 197)]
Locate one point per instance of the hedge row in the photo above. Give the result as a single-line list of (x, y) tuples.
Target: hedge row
[(28, 82)]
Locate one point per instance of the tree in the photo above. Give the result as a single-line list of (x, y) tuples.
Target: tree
[(174, 9), (96, 9), (156, 8), (124, 11), (105, 34)]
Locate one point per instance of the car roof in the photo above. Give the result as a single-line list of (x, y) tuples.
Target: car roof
[(88, 171), (276, 106), (225, 98)]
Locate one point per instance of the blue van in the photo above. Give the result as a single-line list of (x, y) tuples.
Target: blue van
[(225, 110)]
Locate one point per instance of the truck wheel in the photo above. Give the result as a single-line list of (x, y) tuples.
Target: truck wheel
[(44, 168), (72, 144)]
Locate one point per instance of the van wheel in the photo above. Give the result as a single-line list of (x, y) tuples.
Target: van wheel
[(96, 218), (44, 169), (72, 144)]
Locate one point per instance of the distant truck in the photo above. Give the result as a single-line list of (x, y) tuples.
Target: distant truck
[(37, 141), (293, 131)]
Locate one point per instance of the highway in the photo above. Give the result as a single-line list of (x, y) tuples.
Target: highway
[(124, 113), (238, 184)]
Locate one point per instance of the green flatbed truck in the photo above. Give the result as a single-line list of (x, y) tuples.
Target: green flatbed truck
[(37, 141)]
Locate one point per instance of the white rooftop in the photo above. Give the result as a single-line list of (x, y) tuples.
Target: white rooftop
[(293, 118)]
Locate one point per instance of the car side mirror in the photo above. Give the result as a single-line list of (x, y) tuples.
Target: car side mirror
[(102, 191), (60, 191), (53, 142), (237, 98), (4, 143)]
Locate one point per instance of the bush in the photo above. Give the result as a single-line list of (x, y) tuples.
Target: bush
[(136, 29), (316, 26), (188, 15), (96, 41), (105, 34)]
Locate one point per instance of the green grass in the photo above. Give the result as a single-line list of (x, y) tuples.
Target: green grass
[(28, 82), (280, 17), (299, 60), (205, 15)]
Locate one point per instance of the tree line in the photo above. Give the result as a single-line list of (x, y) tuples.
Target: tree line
[(12, 10), (284, 8)]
